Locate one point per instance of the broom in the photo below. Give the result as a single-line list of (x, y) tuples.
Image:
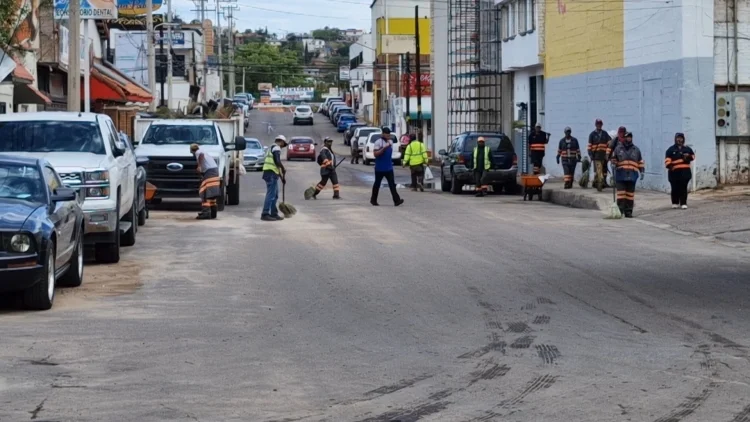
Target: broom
[(614, 211), (585, 166), (287, 209)]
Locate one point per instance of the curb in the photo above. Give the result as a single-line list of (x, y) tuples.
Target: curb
[(575, 199)]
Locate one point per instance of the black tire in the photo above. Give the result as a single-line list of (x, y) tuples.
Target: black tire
[(456, 186), (143, 216), (74, 276), (155, 201), (221, 201), (233, 193), (445, 185), (365, 162), (109, 253), (129, 238), (37, 297)]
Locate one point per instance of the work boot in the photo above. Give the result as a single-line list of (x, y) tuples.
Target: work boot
[(336, 195), (214, 211), (479, 194), (205, 214), (277, 217), (266, 217)]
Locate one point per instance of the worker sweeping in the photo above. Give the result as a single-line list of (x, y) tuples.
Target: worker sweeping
[(210, 187), (415, 156), (538, 140), (628, 163), (678, 159), (327, 163), (273, 170), (598, 142), (482, 163), (569, 153)]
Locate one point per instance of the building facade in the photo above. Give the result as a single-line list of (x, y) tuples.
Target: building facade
[(361, 58)]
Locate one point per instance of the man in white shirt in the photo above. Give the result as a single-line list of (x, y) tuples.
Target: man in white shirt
[(210, 188)]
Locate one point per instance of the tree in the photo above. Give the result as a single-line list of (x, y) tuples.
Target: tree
[(11, 16), (327, 34), (267, 63)]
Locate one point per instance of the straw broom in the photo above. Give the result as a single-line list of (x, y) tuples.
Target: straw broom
[(585, 166), (287, 209), (614, 211)]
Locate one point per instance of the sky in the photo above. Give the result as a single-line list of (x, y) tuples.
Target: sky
[(287, 16)]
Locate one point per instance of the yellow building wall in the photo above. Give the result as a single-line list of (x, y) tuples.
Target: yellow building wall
[(583, 36), (404, 26)]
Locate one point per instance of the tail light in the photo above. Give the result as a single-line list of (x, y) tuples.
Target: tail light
[(460, 159)]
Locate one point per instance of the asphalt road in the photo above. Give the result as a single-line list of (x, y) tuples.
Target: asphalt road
[(450, 308)]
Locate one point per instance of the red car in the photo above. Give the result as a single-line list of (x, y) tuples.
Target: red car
[(301, 147)]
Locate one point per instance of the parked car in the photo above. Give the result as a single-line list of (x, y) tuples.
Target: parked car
[(457, 167), (41, 231), (350, 131), (249, 97), (333, 107), (302, 114), (369, 151), (359, 139), (301, 147), (339, 111), (327, 104), (254, 154), (343, 122), (88, 154)]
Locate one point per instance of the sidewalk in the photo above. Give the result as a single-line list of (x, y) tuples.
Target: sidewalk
[(717, 215)]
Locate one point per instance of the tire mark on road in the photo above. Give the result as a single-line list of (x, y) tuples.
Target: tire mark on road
[(743, 416), (522, 342), (518, 327), (548, 353), (405, 383), (689, 406), (494, 345), (539, 383), (624, 321), (541, 319), (490, 370), (409, 415), (544, 301)]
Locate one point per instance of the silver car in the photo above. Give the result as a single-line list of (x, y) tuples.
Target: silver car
[(254, 154)]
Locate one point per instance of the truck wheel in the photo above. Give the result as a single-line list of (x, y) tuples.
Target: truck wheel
[(41, 295), (445, 185), (456, 187), (142, 216), (221, 201), (109, 253), (129, 238), (74, 276), (233, 194)]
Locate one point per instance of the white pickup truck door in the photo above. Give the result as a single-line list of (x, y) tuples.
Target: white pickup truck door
[(126, 169)]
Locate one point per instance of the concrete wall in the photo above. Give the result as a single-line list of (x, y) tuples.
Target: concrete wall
[(725, 71), (365, 44), (654, 79), (6, 96)]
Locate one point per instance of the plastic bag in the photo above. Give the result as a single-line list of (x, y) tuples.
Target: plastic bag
[(242, 170), (428, 173)]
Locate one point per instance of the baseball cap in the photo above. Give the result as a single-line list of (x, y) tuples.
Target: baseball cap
[(568, 129), (539, 125), (599, 122)]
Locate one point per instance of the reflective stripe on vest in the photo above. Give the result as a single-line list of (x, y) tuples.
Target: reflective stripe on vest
[(486, 157), (268, 163)]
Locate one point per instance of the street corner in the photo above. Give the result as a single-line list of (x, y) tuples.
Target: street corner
[(590, 199)]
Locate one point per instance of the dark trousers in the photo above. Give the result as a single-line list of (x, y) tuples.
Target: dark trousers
[(379, 176), (569, 170), (625, 197), (679, 191), (334, 178), (417, 176), (478, 186), (536, 161)]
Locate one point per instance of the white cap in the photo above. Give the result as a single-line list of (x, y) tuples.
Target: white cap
[(280, 138)]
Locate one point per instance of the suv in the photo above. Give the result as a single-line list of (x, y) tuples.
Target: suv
[(172, 168), (302, 113), (86, 151), (350, 131), (458, 167), (359, 139)]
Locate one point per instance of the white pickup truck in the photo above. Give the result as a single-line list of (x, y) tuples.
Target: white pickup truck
[(165, 143), (86, 151)]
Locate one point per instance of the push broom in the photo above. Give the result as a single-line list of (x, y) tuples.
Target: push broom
[(287, 209), (614, 211)]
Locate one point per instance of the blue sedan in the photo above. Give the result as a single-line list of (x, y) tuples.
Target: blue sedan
[(343, 122), (41, 231)]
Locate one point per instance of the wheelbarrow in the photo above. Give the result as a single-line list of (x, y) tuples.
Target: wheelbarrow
[(532, 185)]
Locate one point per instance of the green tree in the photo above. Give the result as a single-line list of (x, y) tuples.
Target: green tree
[(11, 15), (327, 34), (267, 63)]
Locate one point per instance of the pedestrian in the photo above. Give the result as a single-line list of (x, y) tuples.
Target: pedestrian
[(538, 140), (273, 170), (415, 156), (327, 163), (678, 159), (570, 152), (383, 151), (210, 187), (599, 141), (482, 162), (628, 163)]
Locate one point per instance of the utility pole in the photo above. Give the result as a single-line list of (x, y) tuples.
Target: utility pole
[(74, 56), (408, 91), (387, 71), (151, 54), (220, 61), (243, 79), (418, 77), (230, 18), (169, 53), (163, 76)]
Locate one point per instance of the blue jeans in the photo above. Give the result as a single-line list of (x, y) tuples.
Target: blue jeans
[(272, 194)]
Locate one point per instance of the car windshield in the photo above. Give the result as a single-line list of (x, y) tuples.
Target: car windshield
[(21, 182), (51, 136), (302, 141), (303, 109), (253, 144), (349, 117), (367, 132), (180, 135), (500, 143)]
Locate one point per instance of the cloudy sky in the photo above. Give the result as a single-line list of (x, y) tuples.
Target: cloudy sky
[(288, 16)]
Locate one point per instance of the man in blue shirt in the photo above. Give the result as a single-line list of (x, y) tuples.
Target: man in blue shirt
[(383, 150)]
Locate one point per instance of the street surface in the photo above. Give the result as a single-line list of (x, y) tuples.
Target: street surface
[(449, 308)]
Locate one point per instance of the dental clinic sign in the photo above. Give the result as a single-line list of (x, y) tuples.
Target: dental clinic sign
[(90, 9)]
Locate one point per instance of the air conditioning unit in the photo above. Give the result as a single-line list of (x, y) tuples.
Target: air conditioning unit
[(732, 114)]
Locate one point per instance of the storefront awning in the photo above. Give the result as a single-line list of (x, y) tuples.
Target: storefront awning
[(426, 108), (29, 94), (109, 84)]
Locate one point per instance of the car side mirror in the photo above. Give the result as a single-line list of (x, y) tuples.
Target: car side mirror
[(119, 148), (64, 195), (442, 152), (141, 161), (240, 144)]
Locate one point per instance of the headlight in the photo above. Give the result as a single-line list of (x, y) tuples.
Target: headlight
[(97, 176), (20, 243), (97, 192)]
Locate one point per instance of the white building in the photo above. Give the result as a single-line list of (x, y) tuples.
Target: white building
[(361, 58), (313, 45)]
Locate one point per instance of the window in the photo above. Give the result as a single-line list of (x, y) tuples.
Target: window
[(302, 141), (180, 135), (50, 136), (523, 18), (532, 14), (505, 22)]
